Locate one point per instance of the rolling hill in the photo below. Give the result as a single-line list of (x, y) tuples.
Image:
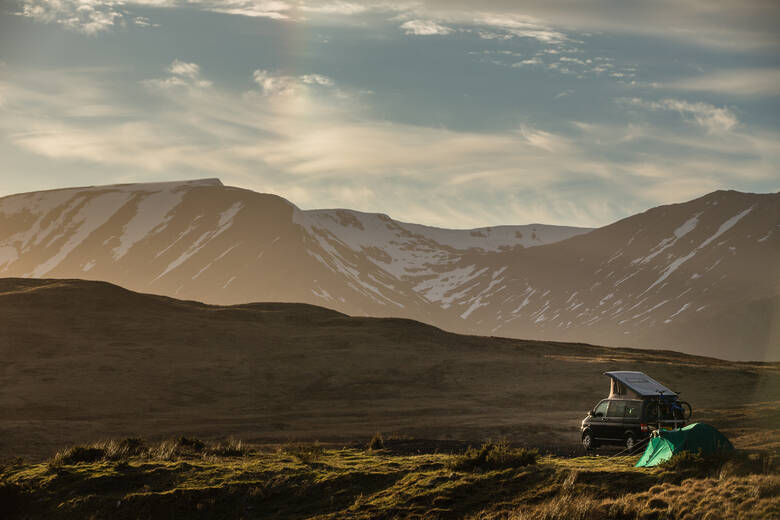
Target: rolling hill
[(699, 277), (84, 360)]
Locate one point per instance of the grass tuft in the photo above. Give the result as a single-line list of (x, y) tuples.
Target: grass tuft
[(229, 448), (123, 450), (377, 442), (493, 455), (79, 454)]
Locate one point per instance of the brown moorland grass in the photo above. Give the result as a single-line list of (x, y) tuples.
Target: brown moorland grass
[(81, 361), (349, 483)]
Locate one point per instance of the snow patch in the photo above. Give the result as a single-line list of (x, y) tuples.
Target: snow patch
[(93, 213), (726, 226), (225, 221), (153, 211), (678, 262), (681, 309)]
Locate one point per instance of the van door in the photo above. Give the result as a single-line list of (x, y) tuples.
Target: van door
[(614, 423), (631, 418), (598, 424)]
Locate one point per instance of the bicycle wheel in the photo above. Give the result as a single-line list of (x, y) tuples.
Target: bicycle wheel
[(686, 410), (652, 412)]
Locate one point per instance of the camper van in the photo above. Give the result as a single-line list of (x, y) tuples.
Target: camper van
[(637, 404)]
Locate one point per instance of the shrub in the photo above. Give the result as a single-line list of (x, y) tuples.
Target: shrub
[(492, 455), (77, 454), (103, 450), (377, 442)]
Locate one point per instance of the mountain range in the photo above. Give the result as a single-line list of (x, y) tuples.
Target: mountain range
[(700, 277)]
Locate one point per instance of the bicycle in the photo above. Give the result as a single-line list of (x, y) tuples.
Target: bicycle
[(669, 406)]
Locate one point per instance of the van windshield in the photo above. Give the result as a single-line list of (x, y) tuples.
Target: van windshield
[(601, 409)]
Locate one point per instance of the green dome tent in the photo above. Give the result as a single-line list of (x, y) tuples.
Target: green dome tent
[(694, 437)]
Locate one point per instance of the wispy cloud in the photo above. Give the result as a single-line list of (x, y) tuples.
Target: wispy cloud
[(274, 9), (87, 16), (182, 68), (317, 79), (425, 28), (182, 74), (713, 119), (334, 7), (733, 24), (530, 61), (541, 139), (521, 27), (277, 84), (743, 82), (97, 16)]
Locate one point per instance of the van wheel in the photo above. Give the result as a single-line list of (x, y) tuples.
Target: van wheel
[(630, 442), (587, 441)]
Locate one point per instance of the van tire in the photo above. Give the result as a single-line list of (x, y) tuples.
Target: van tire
[(588, 442)]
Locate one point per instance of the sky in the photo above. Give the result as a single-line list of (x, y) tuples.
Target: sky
[(448, 113)]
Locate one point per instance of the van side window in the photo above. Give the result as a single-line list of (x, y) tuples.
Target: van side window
[(601, 408), (616, 409), (632, 410)]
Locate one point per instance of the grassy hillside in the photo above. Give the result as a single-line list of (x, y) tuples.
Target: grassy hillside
[(81, 361), (190, 479)]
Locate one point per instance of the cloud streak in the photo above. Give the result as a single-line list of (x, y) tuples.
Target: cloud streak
[(182, 74), (277, 84), (425, 28), (749, 82), (711, 118)]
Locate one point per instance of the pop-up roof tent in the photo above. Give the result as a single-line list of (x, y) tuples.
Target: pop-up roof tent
[(696, 437), (635, 385)]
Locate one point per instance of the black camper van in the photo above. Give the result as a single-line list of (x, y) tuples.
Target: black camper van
[(637, 405)]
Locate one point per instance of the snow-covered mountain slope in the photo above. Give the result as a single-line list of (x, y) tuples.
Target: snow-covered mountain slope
[(202, 240), (703, 275), (700, 277)]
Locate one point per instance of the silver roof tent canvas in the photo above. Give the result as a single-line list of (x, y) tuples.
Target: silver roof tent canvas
[(635, 385)]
